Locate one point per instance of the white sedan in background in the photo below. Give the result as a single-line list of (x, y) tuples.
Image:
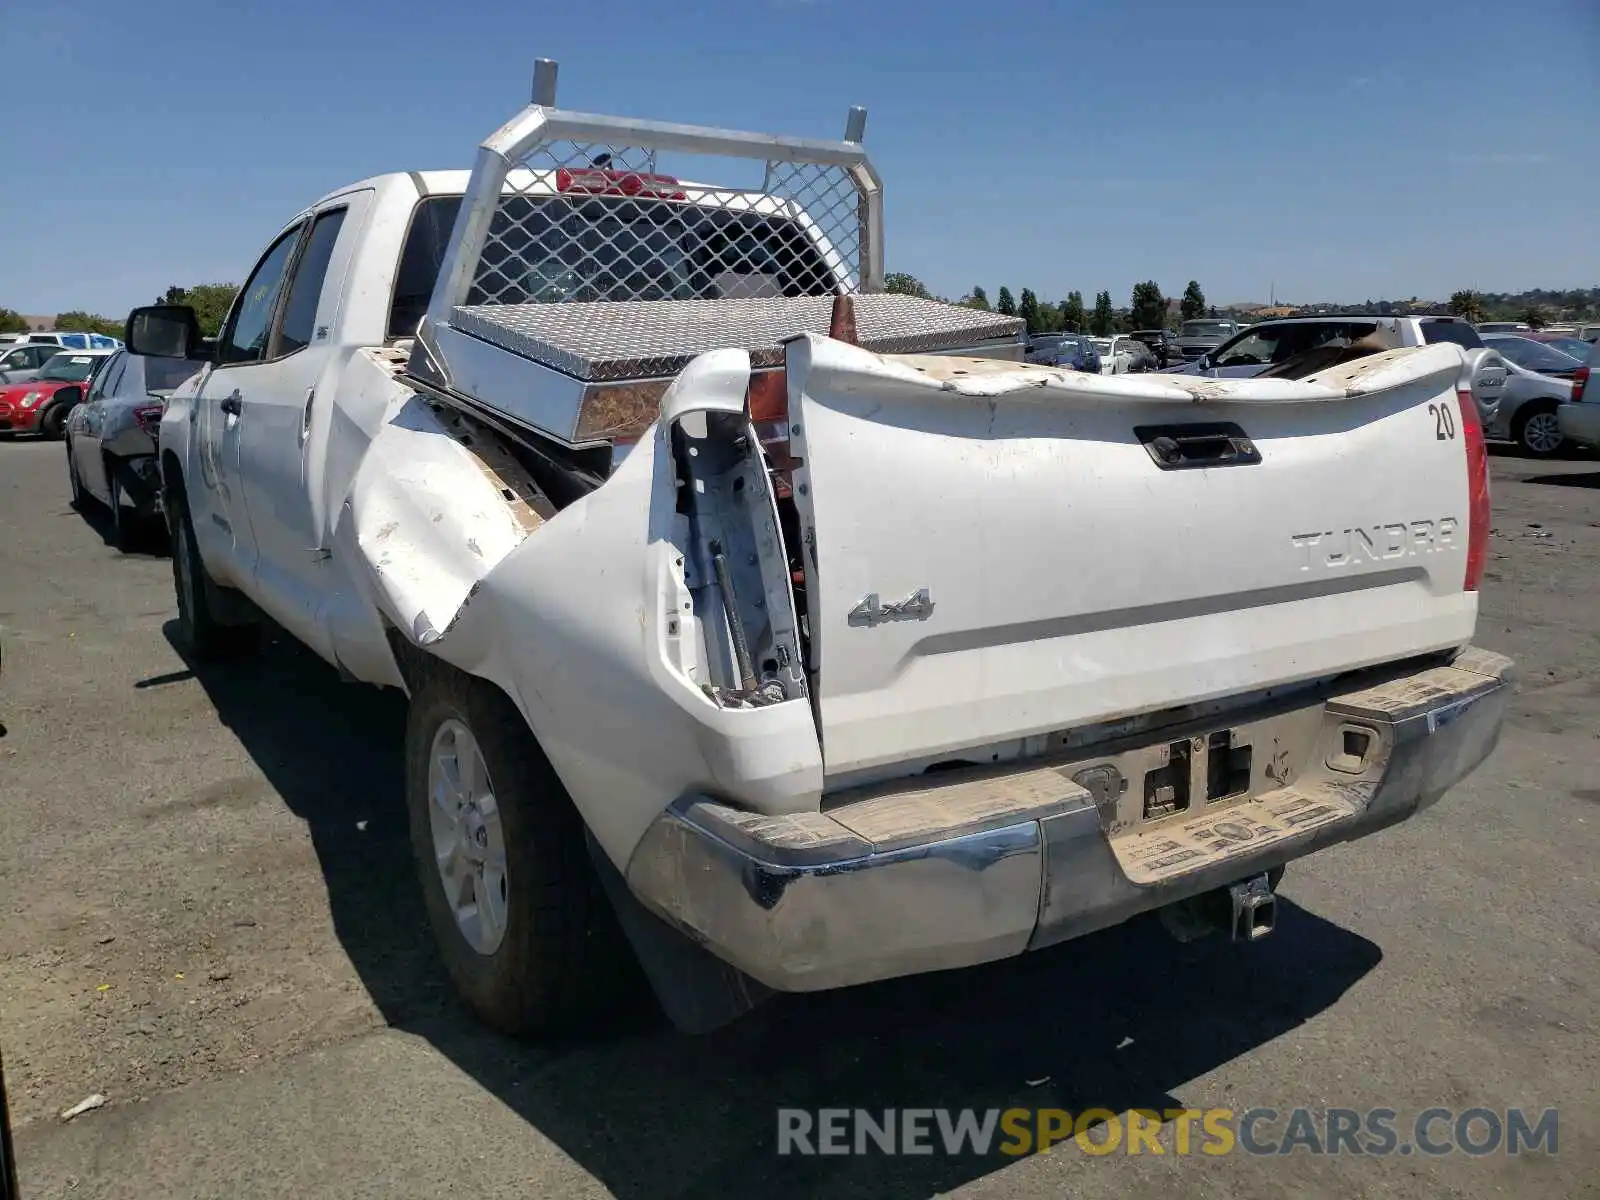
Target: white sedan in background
[(1122, 355)]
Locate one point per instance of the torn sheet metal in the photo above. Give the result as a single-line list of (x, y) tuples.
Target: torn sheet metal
[(438, 503)]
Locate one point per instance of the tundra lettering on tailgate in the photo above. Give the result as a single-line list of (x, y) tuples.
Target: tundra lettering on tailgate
[(1377, 543)]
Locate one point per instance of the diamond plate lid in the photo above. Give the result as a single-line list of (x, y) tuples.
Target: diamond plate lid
[(643, 339)]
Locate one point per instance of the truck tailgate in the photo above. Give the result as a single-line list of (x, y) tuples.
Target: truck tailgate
[(995, 551)]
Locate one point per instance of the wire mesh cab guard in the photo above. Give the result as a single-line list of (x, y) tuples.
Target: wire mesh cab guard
[(576, 260)]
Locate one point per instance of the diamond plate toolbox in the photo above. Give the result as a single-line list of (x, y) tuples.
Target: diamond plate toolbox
[(616, 340)]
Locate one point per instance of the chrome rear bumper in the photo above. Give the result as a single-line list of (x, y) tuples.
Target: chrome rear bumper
[(927, 878)]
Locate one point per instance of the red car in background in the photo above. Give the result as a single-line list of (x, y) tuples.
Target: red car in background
[(41, 405)]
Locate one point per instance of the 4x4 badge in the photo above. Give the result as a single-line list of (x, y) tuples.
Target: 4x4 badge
[(870, 611)]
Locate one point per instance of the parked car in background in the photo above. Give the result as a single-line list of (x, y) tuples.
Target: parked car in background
[(1567, 343), (1579, 418), (1078, 351), (1264, 346), (1258, 347), (23, 361), (41, 405), (112, 439), (1541, 380), (1534, 355), (1198, 336), (1042, 349), (1123, 354), (1504, 327), (72, 340), (1589, 333), (1163, 344)]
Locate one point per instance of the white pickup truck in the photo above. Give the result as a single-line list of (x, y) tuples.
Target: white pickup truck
[(803, 627)]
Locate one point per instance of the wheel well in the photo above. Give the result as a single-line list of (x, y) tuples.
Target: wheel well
[(1534, 407), (171, 478)]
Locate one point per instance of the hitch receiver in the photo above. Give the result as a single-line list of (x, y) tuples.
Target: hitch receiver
[(1254, 907)]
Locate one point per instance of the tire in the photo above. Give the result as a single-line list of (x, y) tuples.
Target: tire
[(53, 422), (1537, 432), (553, 958), (75, 481), (122, 523), (200, 635)]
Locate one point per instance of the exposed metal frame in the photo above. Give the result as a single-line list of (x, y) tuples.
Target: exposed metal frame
[(541, 121)]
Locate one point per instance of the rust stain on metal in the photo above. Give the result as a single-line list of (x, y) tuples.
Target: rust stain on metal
[(617, 410), (524, 499)]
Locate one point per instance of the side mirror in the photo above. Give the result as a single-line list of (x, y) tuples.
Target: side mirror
[(165, 331)]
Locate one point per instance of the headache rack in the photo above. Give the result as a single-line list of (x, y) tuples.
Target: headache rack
[(581, 276)]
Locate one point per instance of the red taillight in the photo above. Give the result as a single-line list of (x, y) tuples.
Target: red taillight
[(603, 181), (149, 418), (1580, 380), (1477, 491)]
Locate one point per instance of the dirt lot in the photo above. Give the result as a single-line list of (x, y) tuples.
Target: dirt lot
[(209, 917)]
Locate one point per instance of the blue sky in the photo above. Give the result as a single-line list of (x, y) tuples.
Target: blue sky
[(1336, 151)]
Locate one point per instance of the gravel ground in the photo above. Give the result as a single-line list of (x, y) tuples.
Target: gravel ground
[(209, 917)]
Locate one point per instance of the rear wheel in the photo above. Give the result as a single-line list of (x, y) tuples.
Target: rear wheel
[(74, 480), (121, 520), (201, 635), (522, 923), (1538, 431)]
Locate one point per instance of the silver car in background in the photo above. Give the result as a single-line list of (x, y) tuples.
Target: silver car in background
[(1539, 381), (112, 439)]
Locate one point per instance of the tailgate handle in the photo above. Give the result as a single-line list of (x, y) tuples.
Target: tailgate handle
[(1198, 444)]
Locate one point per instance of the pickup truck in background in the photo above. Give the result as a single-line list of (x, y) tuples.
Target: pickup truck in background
[(1198, 336), (770, 632), (1270, 347)]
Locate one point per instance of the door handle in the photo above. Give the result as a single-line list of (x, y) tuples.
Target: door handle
[(232, 403), (1198, 444), (305, 419)]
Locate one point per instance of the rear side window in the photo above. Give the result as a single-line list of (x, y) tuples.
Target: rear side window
[(305, 290), (1458, 332), (431, 224)]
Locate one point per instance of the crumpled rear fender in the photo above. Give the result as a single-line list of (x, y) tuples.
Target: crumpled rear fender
[(574, 618)]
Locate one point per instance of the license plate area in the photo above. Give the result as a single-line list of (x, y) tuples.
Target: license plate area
[(1178, 778), (1214, 767)]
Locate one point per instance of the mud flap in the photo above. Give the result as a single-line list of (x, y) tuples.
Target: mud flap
[(697, 990)]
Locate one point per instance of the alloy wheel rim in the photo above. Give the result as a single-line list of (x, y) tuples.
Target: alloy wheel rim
[(468, 836), (1542, 433)]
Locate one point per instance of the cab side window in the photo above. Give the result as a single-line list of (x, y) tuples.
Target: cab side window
[(305, 290), (245, 338)]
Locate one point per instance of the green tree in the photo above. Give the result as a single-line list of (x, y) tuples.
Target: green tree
[(11, 321), (1149, 307), (77, 319), (1193, 303), (902, 284), (1073, 316), (1536, 315), (1104, 316), (1028, 310), (211, 302), (1467, 303), (979, 299), (1005, 305)]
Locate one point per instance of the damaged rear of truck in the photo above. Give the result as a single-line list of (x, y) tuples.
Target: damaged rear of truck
[(778, 634)]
